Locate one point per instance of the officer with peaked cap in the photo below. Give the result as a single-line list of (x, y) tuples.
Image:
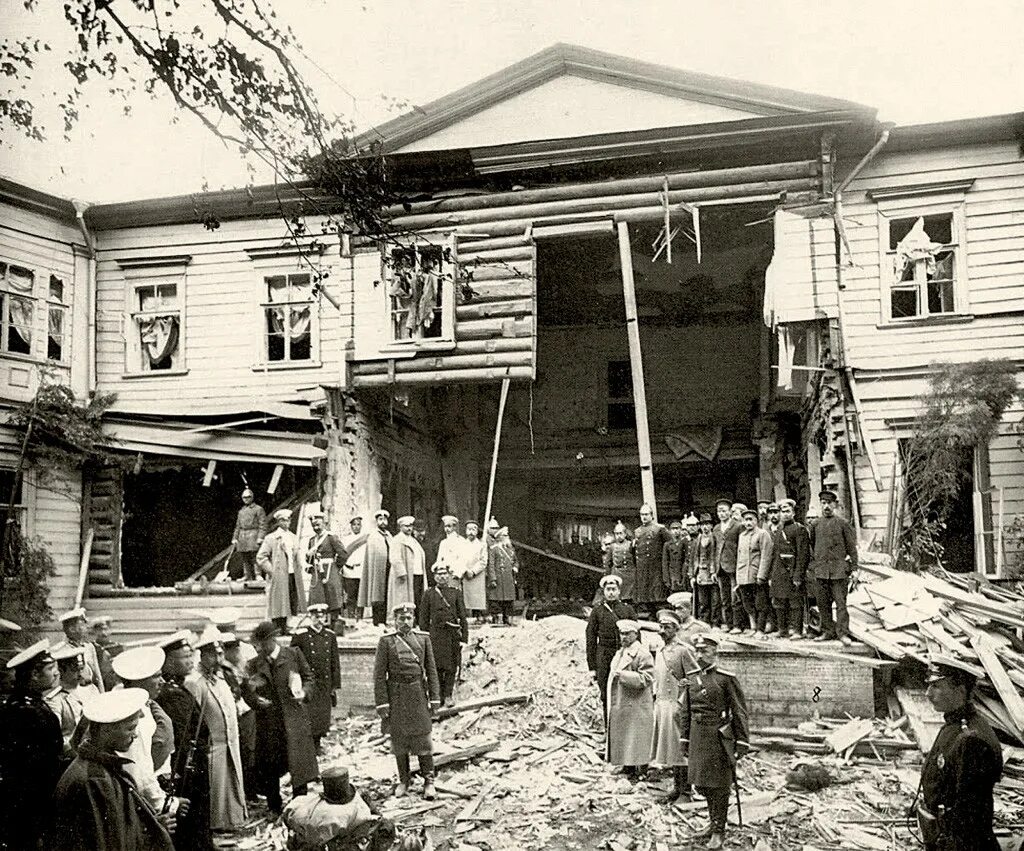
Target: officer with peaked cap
[(75, 631), (64, 698), (602, 632), (964, 764), (630, 725), (251, 528), (407, 693), (670, 666), (715, 733), (9, 646), (96, 804), (833, 559), (279, 560), (106, 648), (325, 555), (30, 748), (320, 647), (618, 559), (373, 587), (787, 575)]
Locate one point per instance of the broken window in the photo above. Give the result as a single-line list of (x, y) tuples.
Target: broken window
[(56, 322), (923, 261), (621, 409), (17, 309), (419, 281), (289, 313), (156, 315)]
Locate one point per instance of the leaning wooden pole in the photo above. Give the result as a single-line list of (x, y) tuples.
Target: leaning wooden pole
[(643, 435), (494, 454)]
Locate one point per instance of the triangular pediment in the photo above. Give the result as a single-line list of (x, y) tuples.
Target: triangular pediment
[(568, 91)]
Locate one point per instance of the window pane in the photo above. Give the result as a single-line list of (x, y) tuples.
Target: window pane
[(939, 228), (300, 289), (167, 295), (56, 288), (944, 267), (275, 333), (621, 415), (158, 338), (940, 296), (277, 288), (55, 334), (904, 303), (21, 279), (620, 380), (19, 332), (300, 338), (146, 297)]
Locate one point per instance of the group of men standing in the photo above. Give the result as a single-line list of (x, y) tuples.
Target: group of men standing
[(751, 570)]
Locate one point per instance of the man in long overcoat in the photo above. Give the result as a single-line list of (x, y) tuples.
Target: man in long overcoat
[(727, 537), (278, 559), (502, 569), (673, 559), (474, 571), (715, 732), (630, 726), (224, 752), (96, 806), (275, 686), (834, 556), (325, 557), (791, 553), (407, 692), (373, 587), (442, 613), (320, 647), (671, 664), (603, 634), (406, 561), (649, 540), (30, 749), (250, 529), (753, 559)]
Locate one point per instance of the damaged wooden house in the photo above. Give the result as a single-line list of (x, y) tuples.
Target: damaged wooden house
[(632, 274)]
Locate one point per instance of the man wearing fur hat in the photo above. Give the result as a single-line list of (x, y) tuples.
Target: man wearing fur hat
[(278, 559), (250, 530)]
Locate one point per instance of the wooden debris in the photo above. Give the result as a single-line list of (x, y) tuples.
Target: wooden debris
[(464, 754), (467, 811), (849, 734), (1011, 698), (480, 703)]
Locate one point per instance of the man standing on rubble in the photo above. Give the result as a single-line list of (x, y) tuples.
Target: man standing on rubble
[(712, 718), (649, 541), (670, 666), (962, 768), (834, 554), (630, 727), (791, 553), (373, 588), (603, 634)]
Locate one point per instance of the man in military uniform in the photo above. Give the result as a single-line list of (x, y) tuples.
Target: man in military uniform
[(190, 770), (325, 555), (962, 768), (9, 647), (715, 733), (320, 647), (407, 692), (603, 634), (106, 648), (373, 587), (63, 698), (834, 556), (649, 540), (75, 631), (31, 745), (673, 559), (442, 613), (791, 553), (250, 530)]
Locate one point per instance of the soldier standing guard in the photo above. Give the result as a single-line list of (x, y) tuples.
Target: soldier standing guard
[(325, 555), (442, 613), (250, 530), (407, 694), (31, 745), (962, 767), (320, 647), (649, 540), (713, 723), (603, 634)]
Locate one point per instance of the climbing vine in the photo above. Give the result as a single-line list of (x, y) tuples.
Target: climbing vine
[(960, 410)]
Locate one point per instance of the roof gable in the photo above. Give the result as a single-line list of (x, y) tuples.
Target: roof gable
[(566, 90)]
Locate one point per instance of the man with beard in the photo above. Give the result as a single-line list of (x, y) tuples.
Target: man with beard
[(474, 572), (630, 726), (671, 664), (834, 555), (278, 560), (30, 749), (373, 588), (407, 561)]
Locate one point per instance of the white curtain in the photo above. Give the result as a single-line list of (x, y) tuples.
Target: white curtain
[(20, 313), (301, 317), (159, 337)]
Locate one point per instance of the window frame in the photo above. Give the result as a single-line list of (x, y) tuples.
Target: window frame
[(619, 401), (153, 272), (61, 305), (7, 293), (448, 280), (266, 304), (23, 507), (914, 208)]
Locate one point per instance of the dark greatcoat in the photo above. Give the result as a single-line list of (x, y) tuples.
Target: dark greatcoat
[(618, 559), (502, 566), (31, 744), (250, 528), (406, 689), (96, 807), (957, 780), (834, 548), (673, 565), (284, 742), (191, 776), (648, 542), (713, 721), (603, 639), (442, 613), (326, 587), (791, 553), (321, 652)]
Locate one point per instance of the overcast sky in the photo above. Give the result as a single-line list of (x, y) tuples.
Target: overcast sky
[(913, 61)]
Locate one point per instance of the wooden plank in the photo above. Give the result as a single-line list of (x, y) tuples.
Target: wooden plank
[(523, 373), (494, 700), (83, 568), (503, 398), (800, 649), (1011, 698), (643, 436)]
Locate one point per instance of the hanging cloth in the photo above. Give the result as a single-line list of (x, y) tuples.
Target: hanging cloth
[(159, 337), (427, 301), (787, 345)]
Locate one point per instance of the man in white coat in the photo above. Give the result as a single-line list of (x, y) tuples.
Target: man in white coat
[(406, 560), (630, 728), (450, 551), (474, 571), (280, 561), (220, 715)]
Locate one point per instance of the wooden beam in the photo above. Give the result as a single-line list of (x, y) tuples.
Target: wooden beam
[(643, 436), (480, 703), (1011, 698), (83, 566), (494, 455)]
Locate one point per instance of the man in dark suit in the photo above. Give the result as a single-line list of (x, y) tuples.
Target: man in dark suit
[(834, 555), (319, 646), (727, 538), (275, 686), (649, 540), (407, 692)]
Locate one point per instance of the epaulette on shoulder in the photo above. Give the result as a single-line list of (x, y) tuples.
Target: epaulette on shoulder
[(302, 630), (727, 673), (390, 634), (421, 632)]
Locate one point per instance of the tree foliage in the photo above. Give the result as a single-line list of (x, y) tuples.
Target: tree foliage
[(960, 410), (27, 568)]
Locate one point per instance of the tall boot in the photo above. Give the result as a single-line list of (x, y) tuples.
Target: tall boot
[(426, 761), (679, 787), (402, 789)]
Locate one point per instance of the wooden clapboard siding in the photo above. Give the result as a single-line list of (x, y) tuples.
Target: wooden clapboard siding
[(806, 290), (55, 507), (141, 618), (47, 247), (223, 334)]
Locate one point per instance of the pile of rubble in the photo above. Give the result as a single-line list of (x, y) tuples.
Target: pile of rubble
[(520, 767)]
